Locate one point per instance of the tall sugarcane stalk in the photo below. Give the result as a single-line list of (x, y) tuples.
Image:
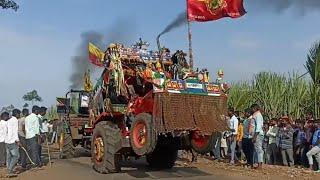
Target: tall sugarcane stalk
[(277, 94)]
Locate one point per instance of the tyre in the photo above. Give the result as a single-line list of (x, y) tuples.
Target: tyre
[(143, 136), (106, 142), (202, 144), (164, 156), (67, 149)]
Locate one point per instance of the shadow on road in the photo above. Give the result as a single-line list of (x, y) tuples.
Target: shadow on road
[(140, 169)]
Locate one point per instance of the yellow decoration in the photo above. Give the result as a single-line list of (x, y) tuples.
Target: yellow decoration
[(87, 82), (158, 66)]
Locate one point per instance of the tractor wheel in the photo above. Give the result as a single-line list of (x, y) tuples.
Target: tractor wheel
[(201, 143), (164, 156), (143, 137), (106, 142), (67, 149)]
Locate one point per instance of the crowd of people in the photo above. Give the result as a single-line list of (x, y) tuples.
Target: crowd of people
[(21, 137), (279, 141)]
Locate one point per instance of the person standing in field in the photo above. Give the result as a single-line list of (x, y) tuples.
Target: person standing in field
[(224, 145), (43, 130), (315, 151), (239, 139), (12, 142), (300, 143), (259, 134), (32, 128), (3, 133), (22, 138), (233, 125), (286, 142), (272, 149), (248, 133)]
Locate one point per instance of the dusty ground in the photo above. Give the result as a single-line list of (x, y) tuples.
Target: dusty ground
[(80, 168)]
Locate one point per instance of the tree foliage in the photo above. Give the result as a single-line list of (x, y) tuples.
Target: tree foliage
[(32, 97), (25, 105), (9, 4), (7, 109)]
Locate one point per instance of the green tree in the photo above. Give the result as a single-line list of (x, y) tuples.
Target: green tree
[(26, 105), (313, 68), (32, 97), (9, 4), (7, 109)]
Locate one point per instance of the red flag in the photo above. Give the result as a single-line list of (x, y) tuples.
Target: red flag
[(209, 10)]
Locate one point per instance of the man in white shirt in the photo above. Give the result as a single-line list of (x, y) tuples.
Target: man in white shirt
[(43, 129), (3, 133), (259, 134), (12, 142), (32, 129), (233, 125)]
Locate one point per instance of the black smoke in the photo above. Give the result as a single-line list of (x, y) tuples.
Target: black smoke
[(180, 20), (122, 31), (80, 62), (279, 6)]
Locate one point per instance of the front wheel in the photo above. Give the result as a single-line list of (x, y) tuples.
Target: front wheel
[(143, 137), (106, 142)]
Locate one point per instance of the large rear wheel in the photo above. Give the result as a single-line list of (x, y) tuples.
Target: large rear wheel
[(106, 142), (201, 143), (164, 155)]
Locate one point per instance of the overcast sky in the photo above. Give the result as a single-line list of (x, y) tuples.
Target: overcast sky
[(38, 41)]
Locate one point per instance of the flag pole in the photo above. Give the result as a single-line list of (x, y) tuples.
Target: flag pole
[(190, 45), (190, 40)]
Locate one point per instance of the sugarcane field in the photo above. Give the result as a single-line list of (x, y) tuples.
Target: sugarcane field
[(185, 89)]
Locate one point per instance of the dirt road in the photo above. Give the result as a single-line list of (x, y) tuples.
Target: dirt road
[(80, 169)]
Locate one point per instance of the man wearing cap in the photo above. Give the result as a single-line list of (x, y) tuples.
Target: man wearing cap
[(315, 151)]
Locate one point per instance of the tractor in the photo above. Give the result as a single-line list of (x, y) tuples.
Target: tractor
[(149, 108), (75, 127)]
